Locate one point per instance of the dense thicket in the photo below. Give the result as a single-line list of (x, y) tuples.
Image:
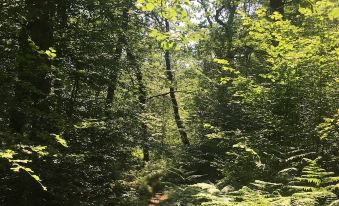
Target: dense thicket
[(215, 102)]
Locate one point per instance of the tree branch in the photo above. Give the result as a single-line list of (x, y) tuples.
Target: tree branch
[(217, 16), (166, 93)]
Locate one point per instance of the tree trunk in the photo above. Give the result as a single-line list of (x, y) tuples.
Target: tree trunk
[(277, 5), (170, 78), (117, 55), (142, 100), (114, 74), (74, 92), (231, 8)]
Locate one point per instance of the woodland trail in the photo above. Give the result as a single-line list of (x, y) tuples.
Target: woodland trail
[(157, 199)]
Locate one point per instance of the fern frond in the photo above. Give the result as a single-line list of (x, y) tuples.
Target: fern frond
[(303, 188), (300, 156), (288, 170), (333, 187), (331, 180), (315, 181)]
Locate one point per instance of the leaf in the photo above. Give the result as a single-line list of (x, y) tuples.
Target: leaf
[(276, 16), (305, 188), (220, 61), (167, 45), (7, 154), (27, 169), (207, 125), (36, 177), (148, 7), (305, 11), (195, 37), (40, 150), (50, 54), (183, 13), (177, 48), (16, 169), (20, 161), (288, 170), (246, 148), (52, 50), (60, 140), (172, 14), (334, 14)]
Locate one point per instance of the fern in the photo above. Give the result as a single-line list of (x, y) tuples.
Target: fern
[(180, 175), (314, 178), (292, 161), (299, 156), (263, 186), (329, 128)]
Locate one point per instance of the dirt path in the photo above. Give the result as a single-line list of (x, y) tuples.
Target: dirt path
[(157, 199)]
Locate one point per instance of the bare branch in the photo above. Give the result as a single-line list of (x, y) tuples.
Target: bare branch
[(217, 16), (167, 93)]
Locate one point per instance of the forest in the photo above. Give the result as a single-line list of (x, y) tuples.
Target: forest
[(169, 103)]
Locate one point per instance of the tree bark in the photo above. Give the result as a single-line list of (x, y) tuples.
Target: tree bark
[(231, 8), (114, 74), (142, 100), (277, 5), (170, 78), (117, 55)]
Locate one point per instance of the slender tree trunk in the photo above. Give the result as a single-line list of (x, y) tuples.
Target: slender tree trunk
[(114, 74), (230, 7), (142, 100), (170, 78), (230, 31), (74, 92), (117, 55)]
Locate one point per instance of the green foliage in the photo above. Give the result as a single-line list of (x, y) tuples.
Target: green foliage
[(60, 140), (329, 128), (314, 178), (18, 165), (312, 198), (207, 194), (84, 100), (51, 53)]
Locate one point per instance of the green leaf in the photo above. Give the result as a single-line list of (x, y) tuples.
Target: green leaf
[(148, 7), (7, 154), (36, 177), (51, 53), (52, 50), (60, 140), (305, 11), (220, 61), (334, 14)]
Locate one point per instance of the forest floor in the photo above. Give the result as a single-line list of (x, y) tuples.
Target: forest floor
[(157, 199)]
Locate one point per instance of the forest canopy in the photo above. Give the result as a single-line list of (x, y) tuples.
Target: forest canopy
[(169, 102)]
